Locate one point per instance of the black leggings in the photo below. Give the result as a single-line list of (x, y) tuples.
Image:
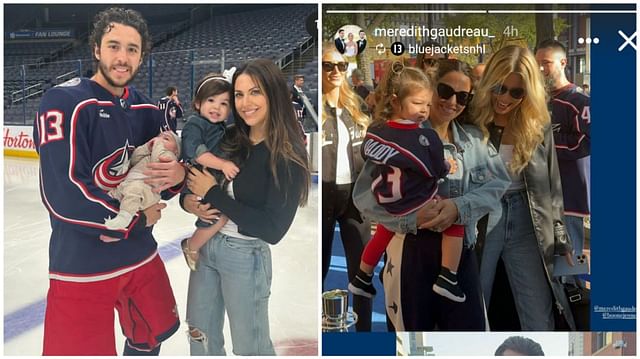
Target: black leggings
[(337, 206)]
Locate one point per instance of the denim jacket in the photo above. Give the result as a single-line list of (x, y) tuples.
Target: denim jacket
[(476, 187)]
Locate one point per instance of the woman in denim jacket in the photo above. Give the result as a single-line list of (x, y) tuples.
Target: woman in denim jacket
[(527, 231), (472, 191)]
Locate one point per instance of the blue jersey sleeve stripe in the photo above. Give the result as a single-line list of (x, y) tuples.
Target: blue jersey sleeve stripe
[(72, 152), (572, 148), (145, 106), (578, 129)]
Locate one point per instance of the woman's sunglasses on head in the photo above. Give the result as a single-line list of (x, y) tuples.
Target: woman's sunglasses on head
[(329, 66), (445, 92)]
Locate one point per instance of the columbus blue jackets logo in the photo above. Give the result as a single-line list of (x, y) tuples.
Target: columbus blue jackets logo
[(112, 170), (423, 141)]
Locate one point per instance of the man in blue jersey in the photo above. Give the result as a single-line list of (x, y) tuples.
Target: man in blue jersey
[(85, 131), (571, 121), (171, 107)]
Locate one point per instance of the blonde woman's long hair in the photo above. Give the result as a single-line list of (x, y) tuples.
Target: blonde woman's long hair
[(530, 117), (348, 99)]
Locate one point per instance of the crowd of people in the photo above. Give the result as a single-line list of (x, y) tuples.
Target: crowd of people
[(514, 186)]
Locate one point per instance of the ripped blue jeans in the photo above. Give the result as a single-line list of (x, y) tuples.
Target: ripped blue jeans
[(233, 275)]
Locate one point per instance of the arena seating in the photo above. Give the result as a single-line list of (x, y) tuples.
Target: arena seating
[(30, 52), (181, 59)]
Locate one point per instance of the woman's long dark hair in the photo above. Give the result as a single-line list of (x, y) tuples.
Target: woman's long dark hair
[(283, 131)]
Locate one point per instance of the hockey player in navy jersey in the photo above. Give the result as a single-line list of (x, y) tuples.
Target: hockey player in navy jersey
[(85, 131), (410, 164), (171, 107)]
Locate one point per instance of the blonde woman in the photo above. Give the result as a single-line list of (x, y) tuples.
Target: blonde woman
[(510, 107), (343, 128)]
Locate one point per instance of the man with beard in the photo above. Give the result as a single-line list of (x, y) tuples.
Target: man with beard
[(571, 123), (85, 130)]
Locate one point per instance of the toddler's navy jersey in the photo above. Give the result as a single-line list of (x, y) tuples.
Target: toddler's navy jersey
[(410, 163)]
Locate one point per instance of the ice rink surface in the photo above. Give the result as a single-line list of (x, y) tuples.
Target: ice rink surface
[(293, 307)]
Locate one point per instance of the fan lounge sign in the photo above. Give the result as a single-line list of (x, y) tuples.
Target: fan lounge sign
[(40, 34)]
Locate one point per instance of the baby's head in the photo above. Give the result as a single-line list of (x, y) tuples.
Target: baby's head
[(170, 141), (213, 96)]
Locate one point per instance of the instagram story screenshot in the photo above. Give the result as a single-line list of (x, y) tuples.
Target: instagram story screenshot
[(469, 204)]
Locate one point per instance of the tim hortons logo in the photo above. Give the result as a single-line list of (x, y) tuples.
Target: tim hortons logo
[(22, 140)]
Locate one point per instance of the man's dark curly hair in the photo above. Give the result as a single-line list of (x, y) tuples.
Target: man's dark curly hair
[(103, 20)]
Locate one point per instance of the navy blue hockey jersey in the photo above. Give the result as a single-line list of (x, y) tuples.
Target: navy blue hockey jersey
[(299, 110), (571, 121), (172, 112), (410, 163), (84, 136)]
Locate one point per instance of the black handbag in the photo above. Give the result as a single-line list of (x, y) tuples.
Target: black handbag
[(579, 299)]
